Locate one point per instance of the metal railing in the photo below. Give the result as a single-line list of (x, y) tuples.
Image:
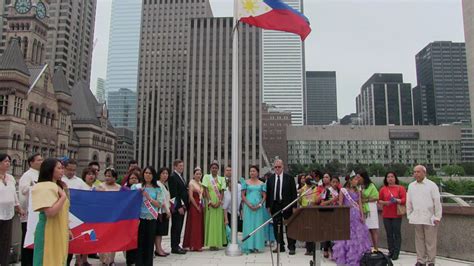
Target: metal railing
[(459, 199)]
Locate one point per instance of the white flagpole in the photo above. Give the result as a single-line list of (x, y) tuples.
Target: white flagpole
[(233, 247)]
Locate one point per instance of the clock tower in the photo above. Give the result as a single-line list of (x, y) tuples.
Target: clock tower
[(27, 21)]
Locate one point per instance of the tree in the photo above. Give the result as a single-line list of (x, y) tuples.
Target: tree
[(451, 170), (376, 169), (334, 167), (398, 168), (468, 168), (296, 169)]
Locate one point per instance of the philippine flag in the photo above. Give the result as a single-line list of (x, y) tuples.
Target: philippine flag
[(273, 15), (99, 221)]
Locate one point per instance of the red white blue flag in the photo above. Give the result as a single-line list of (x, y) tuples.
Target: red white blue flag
[(273, 15), (100, 221)]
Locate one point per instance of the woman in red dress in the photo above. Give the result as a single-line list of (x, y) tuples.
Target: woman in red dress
[(194, 232)]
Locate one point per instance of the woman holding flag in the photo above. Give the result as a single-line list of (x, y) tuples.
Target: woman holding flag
[(48, 197), (214, 227), (152, 196)]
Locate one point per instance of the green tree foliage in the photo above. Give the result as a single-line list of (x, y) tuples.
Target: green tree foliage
[(454, 170), (376, 169)]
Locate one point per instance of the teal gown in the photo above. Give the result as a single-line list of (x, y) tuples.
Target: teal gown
[(252, 219)]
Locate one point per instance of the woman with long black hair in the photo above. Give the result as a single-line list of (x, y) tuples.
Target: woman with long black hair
[(392, 195), (370, 196), (152, 196), (49, 198)]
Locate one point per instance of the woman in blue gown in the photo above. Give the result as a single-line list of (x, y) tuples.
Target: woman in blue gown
[(253, 198)]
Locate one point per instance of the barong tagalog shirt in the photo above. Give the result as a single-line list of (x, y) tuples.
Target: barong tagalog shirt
[(423, 202)]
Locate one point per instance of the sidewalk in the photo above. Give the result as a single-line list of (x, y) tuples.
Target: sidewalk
[(218, 258)]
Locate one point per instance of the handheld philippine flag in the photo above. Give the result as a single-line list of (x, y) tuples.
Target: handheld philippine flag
[(273, 15), (99, 221)]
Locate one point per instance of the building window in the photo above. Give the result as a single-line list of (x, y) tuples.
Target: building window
[(3, 104), (18, 107)]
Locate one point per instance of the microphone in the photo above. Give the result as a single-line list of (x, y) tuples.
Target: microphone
[(311, 182)]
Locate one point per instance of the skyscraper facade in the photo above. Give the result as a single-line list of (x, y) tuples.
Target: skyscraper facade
[(165, 28), (122, 106), (321, 97), (208, 97), (70, 38), (385, 100), (442, 79), (125, 149), (468, 15), (124, 43), (284, 70), (100, 90)]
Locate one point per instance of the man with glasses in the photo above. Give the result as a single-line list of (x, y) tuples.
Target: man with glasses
[(70, 178), (281, 191), (96, 167)]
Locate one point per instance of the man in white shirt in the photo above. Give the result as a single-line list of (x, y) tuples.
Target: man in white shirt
[(70, 178), (424, 211), (28, 180)]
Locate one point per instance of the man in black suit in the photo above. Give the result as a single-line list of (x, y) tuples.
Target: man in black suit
[(281, 191), (178, 192)]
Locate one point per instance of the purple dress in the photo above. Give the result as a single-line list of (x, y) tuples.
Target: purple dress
[(349, 252)]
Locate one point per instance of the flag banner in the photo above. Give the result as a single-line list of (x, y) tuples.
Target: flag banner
[(99, 221), (273, 15)]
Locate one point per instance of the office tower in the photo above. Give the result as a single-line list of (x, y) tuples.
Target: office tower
[(284, 71), (124, 42), (70, 38), (442, 79), (125, 149), (321, 97), (100, 90), (468, 14), (208, 97), (274, 124), (385, 100), (122, 106), (165, 27)]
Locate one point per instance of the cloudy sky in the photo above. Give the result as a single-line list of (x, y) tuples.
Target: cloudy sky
[(355, 38)]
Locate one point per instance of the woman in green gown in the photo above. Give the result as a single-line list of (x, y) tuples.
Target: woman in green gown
[(214, 226)]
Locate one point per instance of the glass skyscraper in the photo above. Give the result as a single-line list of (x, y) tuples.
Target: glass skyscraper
[(122, 65), (284, 71), (122, 106)]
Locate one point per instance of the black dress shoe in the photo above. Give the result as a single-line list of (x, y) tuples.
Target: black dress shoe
[(281, 250), (178, 251), (292, 252), (394, 256)]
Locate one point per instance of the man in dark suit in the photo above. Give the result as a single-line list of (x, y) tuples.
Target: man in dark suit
[(281, 191), (178, 193)]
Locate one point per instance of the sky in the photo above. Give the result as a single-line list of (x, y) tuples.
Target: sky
[(355, 38)]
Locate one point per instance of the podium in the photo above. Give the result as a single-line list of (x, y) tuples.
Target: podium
[(318, 224)]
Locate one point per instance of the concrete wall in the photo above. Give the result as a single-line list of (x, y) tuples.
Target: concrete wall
[(454, 235)]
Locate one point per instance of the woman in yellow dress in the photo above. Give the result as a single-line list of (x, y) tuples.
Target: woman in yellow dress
[(49, 198)]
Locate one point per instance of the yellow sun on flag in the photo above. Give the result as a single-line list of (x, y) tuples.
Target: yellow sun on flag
[(251, 6)]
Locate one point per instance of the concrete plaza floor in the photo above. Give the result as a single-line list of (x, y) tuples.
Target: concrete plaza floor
[(218, 258)]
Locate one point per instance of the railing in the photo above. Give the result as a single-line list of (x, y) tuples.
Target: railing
[(458, 198)]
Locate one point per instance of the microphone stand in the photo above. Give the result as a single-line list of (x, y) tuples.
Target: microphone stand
[(280, 225)]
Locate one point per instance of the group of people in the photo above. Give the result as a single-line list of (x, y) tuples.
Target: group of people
[(421, 204), (204, 201)]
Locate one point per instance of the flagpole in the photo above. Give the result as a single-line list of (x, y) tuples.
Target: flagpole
[(233, 247)]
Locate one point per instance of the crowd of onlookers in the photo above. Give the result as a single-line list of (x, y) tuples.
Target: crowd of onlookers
[(203, 204)]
